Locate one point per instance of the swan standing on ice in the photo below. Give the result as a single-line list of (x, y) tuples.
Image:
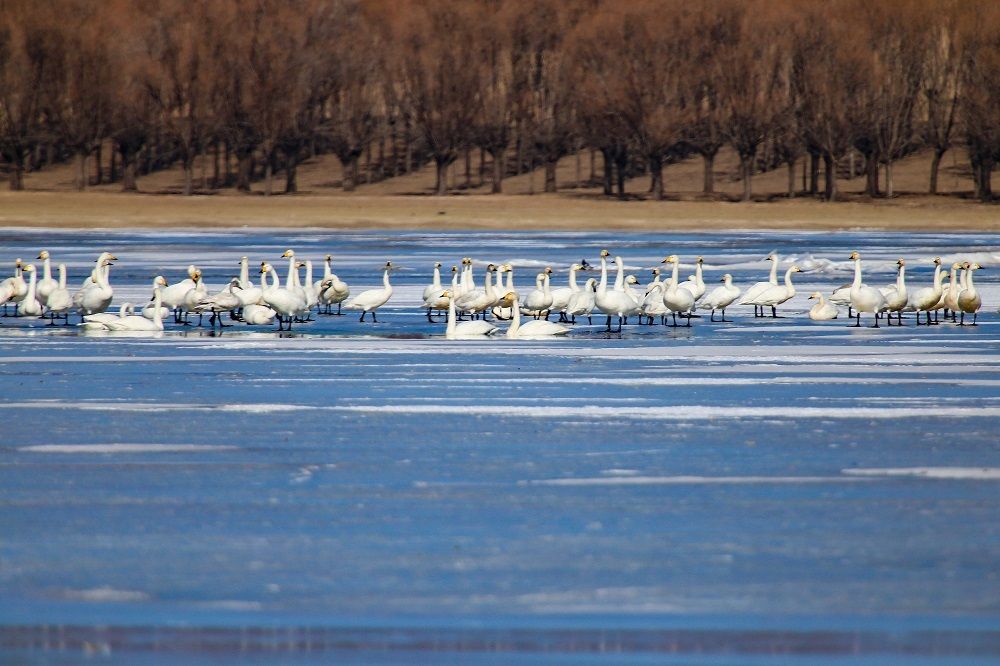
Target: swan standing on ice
[(173, 295), (336, 291), (30, 307), (582, 303), (674, 297), (13, 289), (721, 298), (778, 295), (457, 330), (611, 302), (652, 304), (561, 296), (822, 311), (96, 296), (475, 301), (539, 301), (534, 328), (59, 301), (895, 296), (969, 300), (226, 300), (863, 297), (435, 299), (926, 299), (149, 311), (372, 299), (285, 303), (46, 284), (696, 283), (193, 297), (759, 288), (502, 309)]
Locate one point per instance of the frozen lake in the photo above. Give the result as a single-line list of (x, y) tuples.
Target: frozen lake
[(723, 494)]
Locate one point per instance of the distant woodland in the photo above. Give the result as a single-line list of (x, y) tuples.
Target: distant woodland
[(255, 87)]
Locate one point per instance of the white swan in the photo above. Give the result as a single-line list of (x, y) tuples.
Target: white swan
[(721, 297), (435, 286), (258, 315), (140, 323), (695, 284), (173, 295), (336, 290), (895, 296), (30, 307), (611, 302), (436, 299), (372, 299), (478, 300), (149, 312), (674, 298), (538, 302), (561, 296), (969, 300), (46, 284), (926, 299), (312, 296), (456, 330), (59, 301), (582, 303), (863, 297), (99, 320), (285, 303), (656, 281), (949, 296), (534, 328), (226, 300), (98, 268), (96, 297), (502, 309), (822, 311), (758, 288), (652, 304), (193, 297), (14, 288), (775, 296)]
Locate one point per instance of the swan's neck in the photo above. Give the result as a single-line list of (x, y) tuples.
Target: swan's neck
[(263, 282), (244, 271), (450, 330), (157, 303), (385, 280), (31, 286), (327, 271), (572, 280), (46, 269), (821, 302), (953, 275), (602, 286), (62, 276), (901, 279), (437, 278), (489, 286), (620, 277), (673, 274), (309, 272), (774, 271), (515, 322), (788, 281), (857, 274), (698, 275), (970, 273), (728, 281), (292, 273), (510, 279), (454, 283), (545, 286)]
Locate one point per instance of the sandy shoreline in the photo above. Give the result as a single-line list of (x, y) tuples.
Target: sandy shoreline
[(541, 212)]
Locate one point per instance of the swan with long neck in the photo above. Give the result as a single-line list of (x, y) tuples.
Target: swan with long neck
[(285, 303), (140, 323), (927, 298), (863, 297), (13, 288), (758, 288), (248, 293), (372, 299), (30, 307), (531, 329), (46, 284), (435, 299), (721, 297), (582, 302), (456, 330), (561, 296), (59, 301), (896, 296), (778, 295), (949, 297), (696, 284), (611, 302), (97, 297), (149, 312), (479, 300), (539, 301), (970, 300), (336, 291), (675, 298)]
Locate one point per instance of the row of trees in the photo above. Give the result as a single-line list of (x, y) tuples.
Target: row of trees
[(267, 83)]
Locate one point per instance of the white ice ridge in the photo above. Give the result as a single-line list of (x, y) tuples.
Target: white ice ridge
[(978, 473), (685, 480), (124, 448)]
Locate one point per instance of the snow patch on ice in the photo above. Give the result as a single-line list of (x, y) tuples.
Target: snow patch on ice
[(976, 473), (124, 448)]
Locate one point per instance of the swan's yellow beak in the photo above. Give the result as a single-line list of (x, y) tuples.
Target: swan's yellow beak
[(854, 255), (328, 257), (937, 261), (605, 253), (287, 253), (112, 257)]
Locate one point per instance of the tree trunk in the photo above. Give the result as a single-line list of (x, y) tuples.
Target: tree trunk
[(482, 166), (606, 154), (519, 167), (113, 165), (830, 167), (227, 174), (216, 171), (98, 159), (709, 172), (393, 150), (291, 169), (188, 164), (656, 177), (746, 166), (593, 165), (17, 173), (268, 177), (850, 162), (621, 163), (128, 173), (468, 169), (498, 170), (871, 175), (380, 167), (935, 166), (80, 181), (985, 180), (791, 179), (579, 169), (888, 179), (244, 167), (813, 173), (347, 171), (441, 187), (550, 175)]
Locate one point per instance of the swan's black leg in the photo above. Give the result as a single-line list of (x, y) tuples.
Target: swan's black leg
[(961, 321), (875, 325), (339, 313), (373, 317), (975, 315), (857, 323)]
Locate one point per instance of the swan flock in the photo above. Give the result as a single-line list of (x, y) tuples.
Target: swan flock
[(265, 299)]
